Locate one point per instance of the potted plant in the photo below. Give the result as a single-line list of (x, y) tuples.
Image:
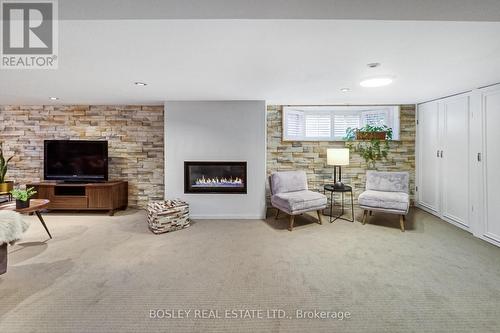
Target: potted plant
[(23, 197), (5, 186), (372, 142), (369, 132)]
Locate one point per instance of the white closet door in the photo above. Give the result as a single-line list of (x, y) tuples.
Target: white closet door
[(428, 143), (491, 184), (455, 159)]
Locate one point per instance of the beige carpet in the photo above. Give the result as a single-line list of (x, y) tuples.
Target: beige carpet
[(105, 274)]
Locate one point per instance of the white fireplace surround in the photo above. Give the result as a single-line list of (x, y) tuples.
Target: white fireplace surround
[(217, 131)]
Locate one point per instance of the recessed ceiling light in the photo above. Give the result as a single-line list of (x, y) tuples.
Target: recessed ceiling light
[(54, 98), (140, 84), (345, 89), (375, 82)]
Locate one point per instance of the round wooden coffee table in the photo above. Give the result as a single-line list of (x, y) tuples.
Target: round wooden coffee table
[(36, 205)]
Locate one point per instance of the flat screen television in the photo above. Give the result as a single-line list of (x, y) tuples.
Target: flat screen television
[(76, 160)]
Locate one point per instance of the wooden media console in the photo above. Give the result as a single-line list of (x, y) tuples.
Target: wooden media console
[(109, 196)]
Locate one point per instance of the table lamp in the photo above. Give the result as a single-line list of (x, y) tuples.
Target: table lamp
[(337, 157)]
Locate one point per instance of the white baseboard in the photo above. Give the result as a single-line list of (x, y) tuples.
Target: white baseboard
[(427, 209), (490, 240), (444, 218), (456, 223)]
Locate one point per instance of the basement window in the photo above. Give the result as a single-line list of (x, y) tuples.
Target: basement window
[(330, 123)]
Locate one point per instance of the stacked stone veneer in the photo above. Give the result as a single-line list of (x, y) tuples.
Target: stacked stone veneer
[(311, 155), (135, 136)]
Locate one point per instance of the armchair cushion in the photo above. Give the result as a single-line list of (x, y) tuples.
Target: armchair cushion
[(288, 181), (395, 202), (299, 201), (387, 181)]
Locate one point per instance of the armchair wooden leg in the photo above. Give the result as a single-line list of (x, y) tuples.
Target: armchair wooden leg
[(292, 218), (365, 214), (402, 222), (371, 213), (319, 217), (277, 214)]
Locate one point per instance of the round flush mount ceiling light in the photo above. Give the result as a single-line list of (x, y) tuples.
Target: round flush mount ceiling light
[(375, 82), (344, 90), (54, 98), (140, 84)]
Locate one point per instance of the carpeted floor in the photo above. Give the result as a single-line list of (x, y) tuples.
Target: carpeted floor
[(105, 274)]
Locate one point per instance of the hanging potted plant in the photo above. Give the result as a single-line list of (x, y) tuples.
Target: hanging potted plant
[(369, 132), (23, 197), (372, 142), (5, 186)]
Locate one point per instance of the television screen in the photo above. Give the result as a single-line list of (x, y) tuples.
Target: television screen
[(76, 160)]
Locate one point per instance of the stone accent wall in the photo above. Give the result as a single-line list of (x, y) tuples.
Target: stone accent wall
[(135, 136), (311, 156)]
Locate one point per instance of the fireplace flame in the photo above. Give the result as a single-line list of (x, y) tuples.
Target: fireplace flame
[(236, 181)]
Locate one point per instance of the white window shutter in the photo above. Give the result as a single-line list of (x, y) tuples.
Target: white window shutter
[(342, 122), (375, 118), (294, 124), (318, 125)]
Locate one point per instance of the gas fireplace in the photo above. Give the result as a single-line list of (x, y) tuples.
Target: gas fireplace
[(215, 177)]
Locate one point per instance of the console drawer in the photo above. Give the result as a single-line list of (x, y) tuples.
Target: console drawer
[(68, 202)]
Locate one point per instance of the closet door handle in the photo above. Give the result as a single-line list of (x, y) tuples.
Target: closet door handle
[(479, 157), (437, 154), (441, 154)]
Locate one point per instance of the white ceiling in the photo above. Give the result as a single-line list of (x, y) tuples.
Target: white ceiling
[(281, 61)]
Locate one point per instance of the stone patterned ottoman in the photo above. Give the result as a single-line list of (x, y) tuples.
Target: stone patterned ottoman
[(169, 215)]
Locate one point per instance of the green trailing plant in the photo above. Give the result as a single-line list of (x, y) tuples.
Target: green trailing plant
[(4, 163), (23, 195), (371, 150)]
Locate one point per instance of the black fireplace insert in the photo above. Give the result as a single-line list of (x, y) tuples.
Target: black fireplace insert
[(215, 177)]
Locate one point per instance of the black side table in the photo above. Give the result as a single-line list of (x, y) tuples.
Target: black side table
[(332, 190), (7, 194)]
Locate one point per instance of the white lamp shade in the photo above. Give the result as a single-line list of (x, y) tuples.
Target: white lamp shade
[(337, 156)]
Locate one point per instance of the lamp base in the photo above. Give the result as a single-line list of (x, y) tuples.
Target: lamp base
[(338, 185), (337, 182)]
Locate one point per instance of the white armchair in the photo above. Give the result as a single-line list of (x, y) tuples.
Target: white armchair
[(386, 192), (290, 194)]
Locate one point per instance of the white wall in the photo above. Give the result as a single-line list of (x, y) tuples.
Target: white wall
[(217, 131)]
